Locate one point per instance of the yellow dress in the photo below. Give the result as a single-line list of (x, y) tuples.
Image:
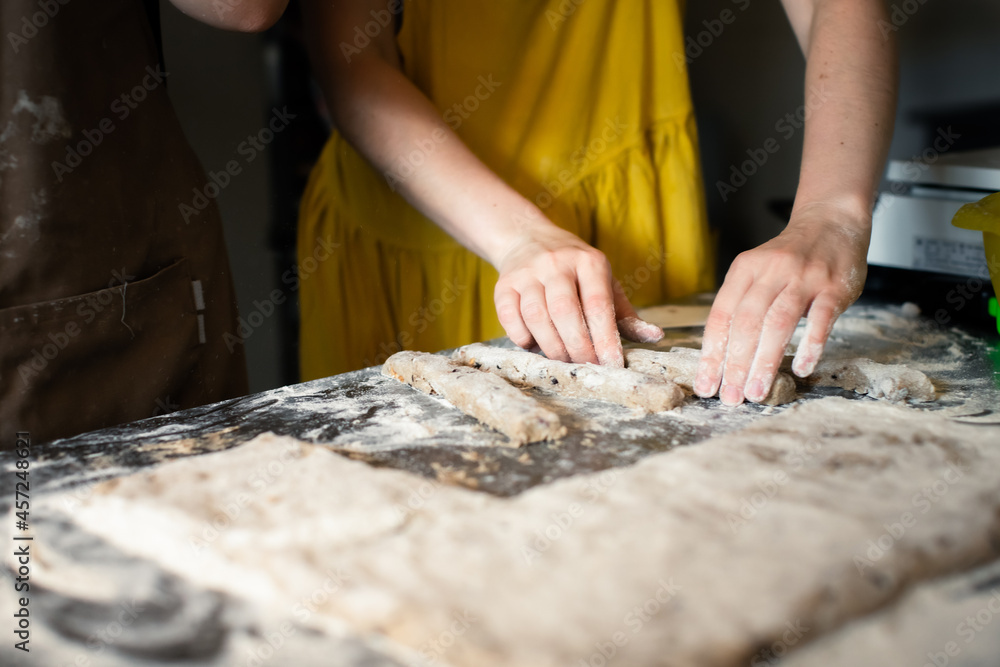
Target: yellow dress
[(583, 107)]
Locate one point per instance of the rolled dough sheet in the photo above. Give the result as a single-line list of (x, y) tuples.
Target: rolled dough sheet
[(949, 621), (617, 385), (697, 557), (680, 364), (481, 395)]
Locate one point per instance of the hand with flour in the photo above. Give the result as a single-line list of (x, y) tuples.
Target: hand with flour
[(816, 266), (557, 293)]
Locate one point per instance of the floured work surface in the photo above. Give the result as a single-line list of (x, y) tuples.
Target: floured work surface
[(381, 421), (702, 556), (374, 419)]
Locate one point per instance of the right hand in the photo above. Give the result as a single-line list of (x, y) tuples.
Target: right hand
[(557, 293)]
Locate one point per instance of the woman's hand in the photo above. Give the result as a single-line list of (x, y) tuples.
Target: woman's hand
[(817, 266), (557, 293)]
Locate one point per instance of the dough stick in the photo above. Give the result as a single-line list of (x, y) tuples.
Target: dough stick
[(481, 395), (680, 364), (616, 385), (864, 376)]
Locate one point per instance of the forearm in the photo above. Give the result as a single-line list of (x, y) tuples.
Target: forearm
[(816, 267), (397, 129), (241, 15), (851, 71)]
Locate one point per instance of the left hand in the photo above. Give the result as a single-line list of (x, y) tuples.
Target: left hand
[(816, 266)]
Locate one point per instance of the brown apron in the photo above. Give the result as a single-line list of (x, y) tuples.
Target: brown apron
[(116, 301)]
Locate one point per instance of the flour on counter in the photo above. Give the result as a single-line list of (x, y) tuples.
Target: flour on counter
[(692, 533)]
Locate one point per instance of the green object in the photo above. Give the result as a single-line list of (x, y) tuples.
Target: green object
[(984, 216)]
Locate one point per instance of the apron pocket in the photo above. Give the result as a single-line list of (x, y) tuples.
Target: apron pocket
[(116, 355)]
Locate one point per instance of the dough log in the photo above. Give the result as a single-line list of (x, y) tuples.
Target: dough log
[(864, 376), (680, 364), (616, 385), (481, 395)]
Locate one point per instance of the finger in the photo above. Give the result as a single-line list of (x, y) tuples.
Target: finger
[(779, 326), (744, 335), (713, 347), (563, 302), (535, 313), (508, 304), (823, 313), (639, 330), (630, 325), (597, 296)]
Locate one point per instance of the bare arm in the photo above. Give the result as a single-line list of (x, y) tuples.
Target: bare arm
[(816, 267), (554, 290), (241, 15)]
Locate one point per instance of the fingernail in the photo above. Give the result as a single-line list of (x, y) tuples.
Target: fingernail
[(703, 386), (755, 390), (731, 396), (639, 330), (615, 359), (803, 367), (652, 332), (806, 358)]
